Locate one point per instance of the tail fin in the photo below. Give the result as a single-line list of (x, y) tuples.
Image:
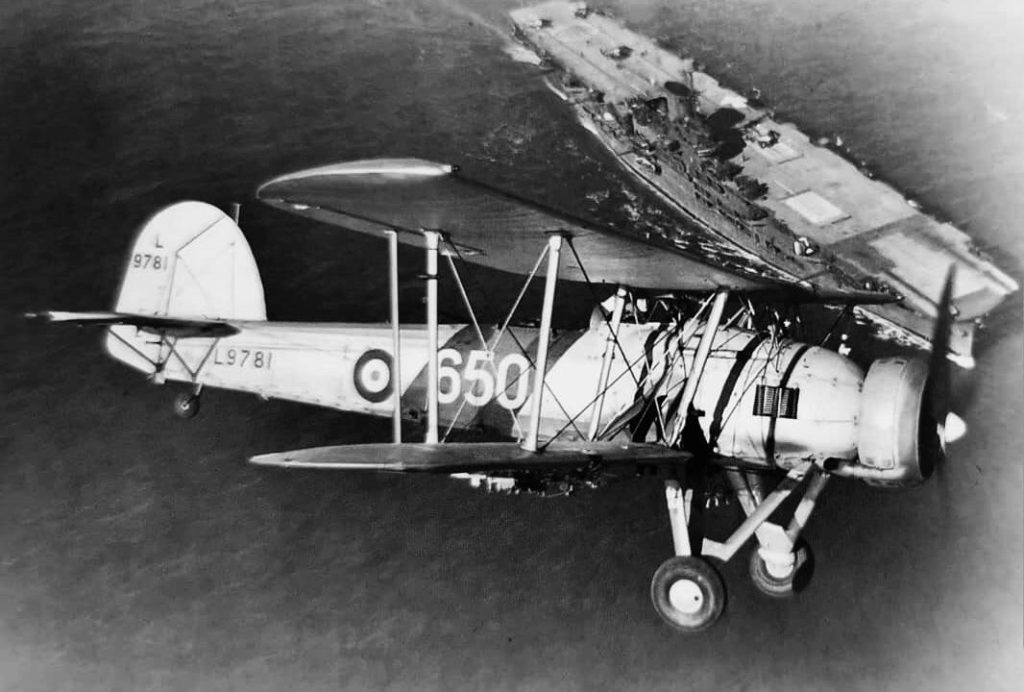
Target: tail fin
[(191, 260)]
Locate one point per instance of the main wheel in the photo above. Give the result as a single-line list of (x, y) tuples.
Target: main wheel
[(688, 593), (186, 405), (783, 586)]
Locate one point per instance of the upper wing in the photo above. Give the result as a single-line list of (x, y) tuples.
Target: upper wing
[(174, 326), (504, 231), (479, 457)]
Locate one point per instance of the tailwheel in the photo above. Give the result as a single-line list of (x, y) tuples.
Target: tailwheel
[(688, 593), (186, 405), (779, 580)]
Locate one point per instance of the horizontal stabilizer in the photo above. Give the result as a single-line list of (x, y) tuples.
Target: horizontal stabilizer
[(173, 326), (487, 457)]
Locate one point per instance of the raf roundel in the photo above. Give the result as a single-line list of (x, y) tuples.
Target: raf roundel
[(372, 375)]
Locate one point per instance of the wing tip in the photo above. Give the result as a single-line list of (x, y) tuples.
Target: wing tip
[(271, 459), (387, 168)]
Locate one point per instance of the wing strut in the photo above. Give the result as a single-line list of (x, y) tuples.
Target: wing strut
[(700, 359), (606, 361), (432, 238), (554, 252), (396, 342)]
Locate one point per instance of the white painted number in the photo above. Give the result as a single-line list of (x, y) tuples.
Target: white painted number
[(510, 380), (448, 381), (479, 381), (520, 381)]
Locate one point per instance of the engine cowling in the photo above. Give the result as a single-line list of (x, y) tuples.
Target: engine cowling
[(898, 442)]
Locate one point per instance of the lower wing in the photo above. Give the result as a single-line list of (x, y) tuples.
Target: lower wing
[(477, 457)]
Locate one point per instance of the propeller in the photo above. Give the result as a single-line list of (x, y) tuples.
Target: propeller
[(937, 422), (905, 421)]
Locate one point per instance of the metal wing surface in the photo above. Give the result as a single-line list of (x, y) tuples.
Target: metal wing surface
[(490, 226), (479, 457)]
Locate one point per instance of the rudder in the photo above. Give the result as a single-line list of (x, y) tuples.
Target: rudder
[(191, 260)]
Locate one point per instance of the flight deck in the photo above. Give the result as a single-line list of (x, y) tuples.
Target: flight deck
[(756, 185)]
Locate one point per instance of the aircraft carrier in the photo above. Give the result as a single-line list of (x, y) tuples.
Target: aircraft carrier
[(758, 187)]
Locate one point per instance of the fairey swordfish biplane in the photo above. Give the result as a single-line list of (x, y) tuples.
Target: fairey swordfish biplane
[(670, 398)]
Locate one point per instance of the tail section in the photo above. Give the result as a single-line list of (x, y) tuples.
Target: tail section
[(191, 260)]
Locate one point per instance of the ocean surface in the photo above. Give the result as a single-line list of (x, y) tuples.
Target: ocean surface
[(140, 552)]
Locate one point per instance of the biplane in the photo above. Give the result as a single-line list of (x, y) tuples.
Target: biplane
[(674, 398)]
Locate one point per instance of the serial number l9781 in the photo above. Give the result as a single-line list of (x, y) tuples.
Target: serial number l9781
[(243, 358)]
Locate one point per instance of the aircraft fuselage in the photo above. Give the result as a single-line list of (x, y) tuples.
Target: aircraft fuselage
[(768, 402)]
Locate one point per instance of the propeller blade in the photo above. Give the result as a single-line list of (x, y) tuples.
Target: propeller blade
[(938, 384), (935, 407)]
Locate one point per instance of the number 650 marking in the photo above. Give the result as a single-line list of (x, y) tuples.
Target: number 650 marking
[(483, 379)]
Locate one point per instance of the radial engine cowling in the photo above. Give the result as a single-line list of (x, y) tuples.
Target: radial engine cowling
[(898, 442)]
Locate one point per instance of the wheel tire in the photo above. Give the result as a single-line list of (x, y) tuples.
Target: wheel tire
[(186, 405), (688, 593), (787, 587)]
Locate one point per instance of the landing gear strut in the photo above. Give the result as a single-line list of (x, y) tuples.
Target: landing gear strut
[(687, 591), (782, 564)]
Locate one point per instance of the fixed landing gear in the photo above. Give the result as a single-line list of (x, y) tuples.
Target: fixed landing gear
[(186, 404), (782, 565), (782, 580), (688, 593)]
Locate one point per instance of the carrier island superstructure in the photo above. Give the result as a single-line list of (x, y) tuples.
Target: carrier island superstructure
[(758, 187)]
